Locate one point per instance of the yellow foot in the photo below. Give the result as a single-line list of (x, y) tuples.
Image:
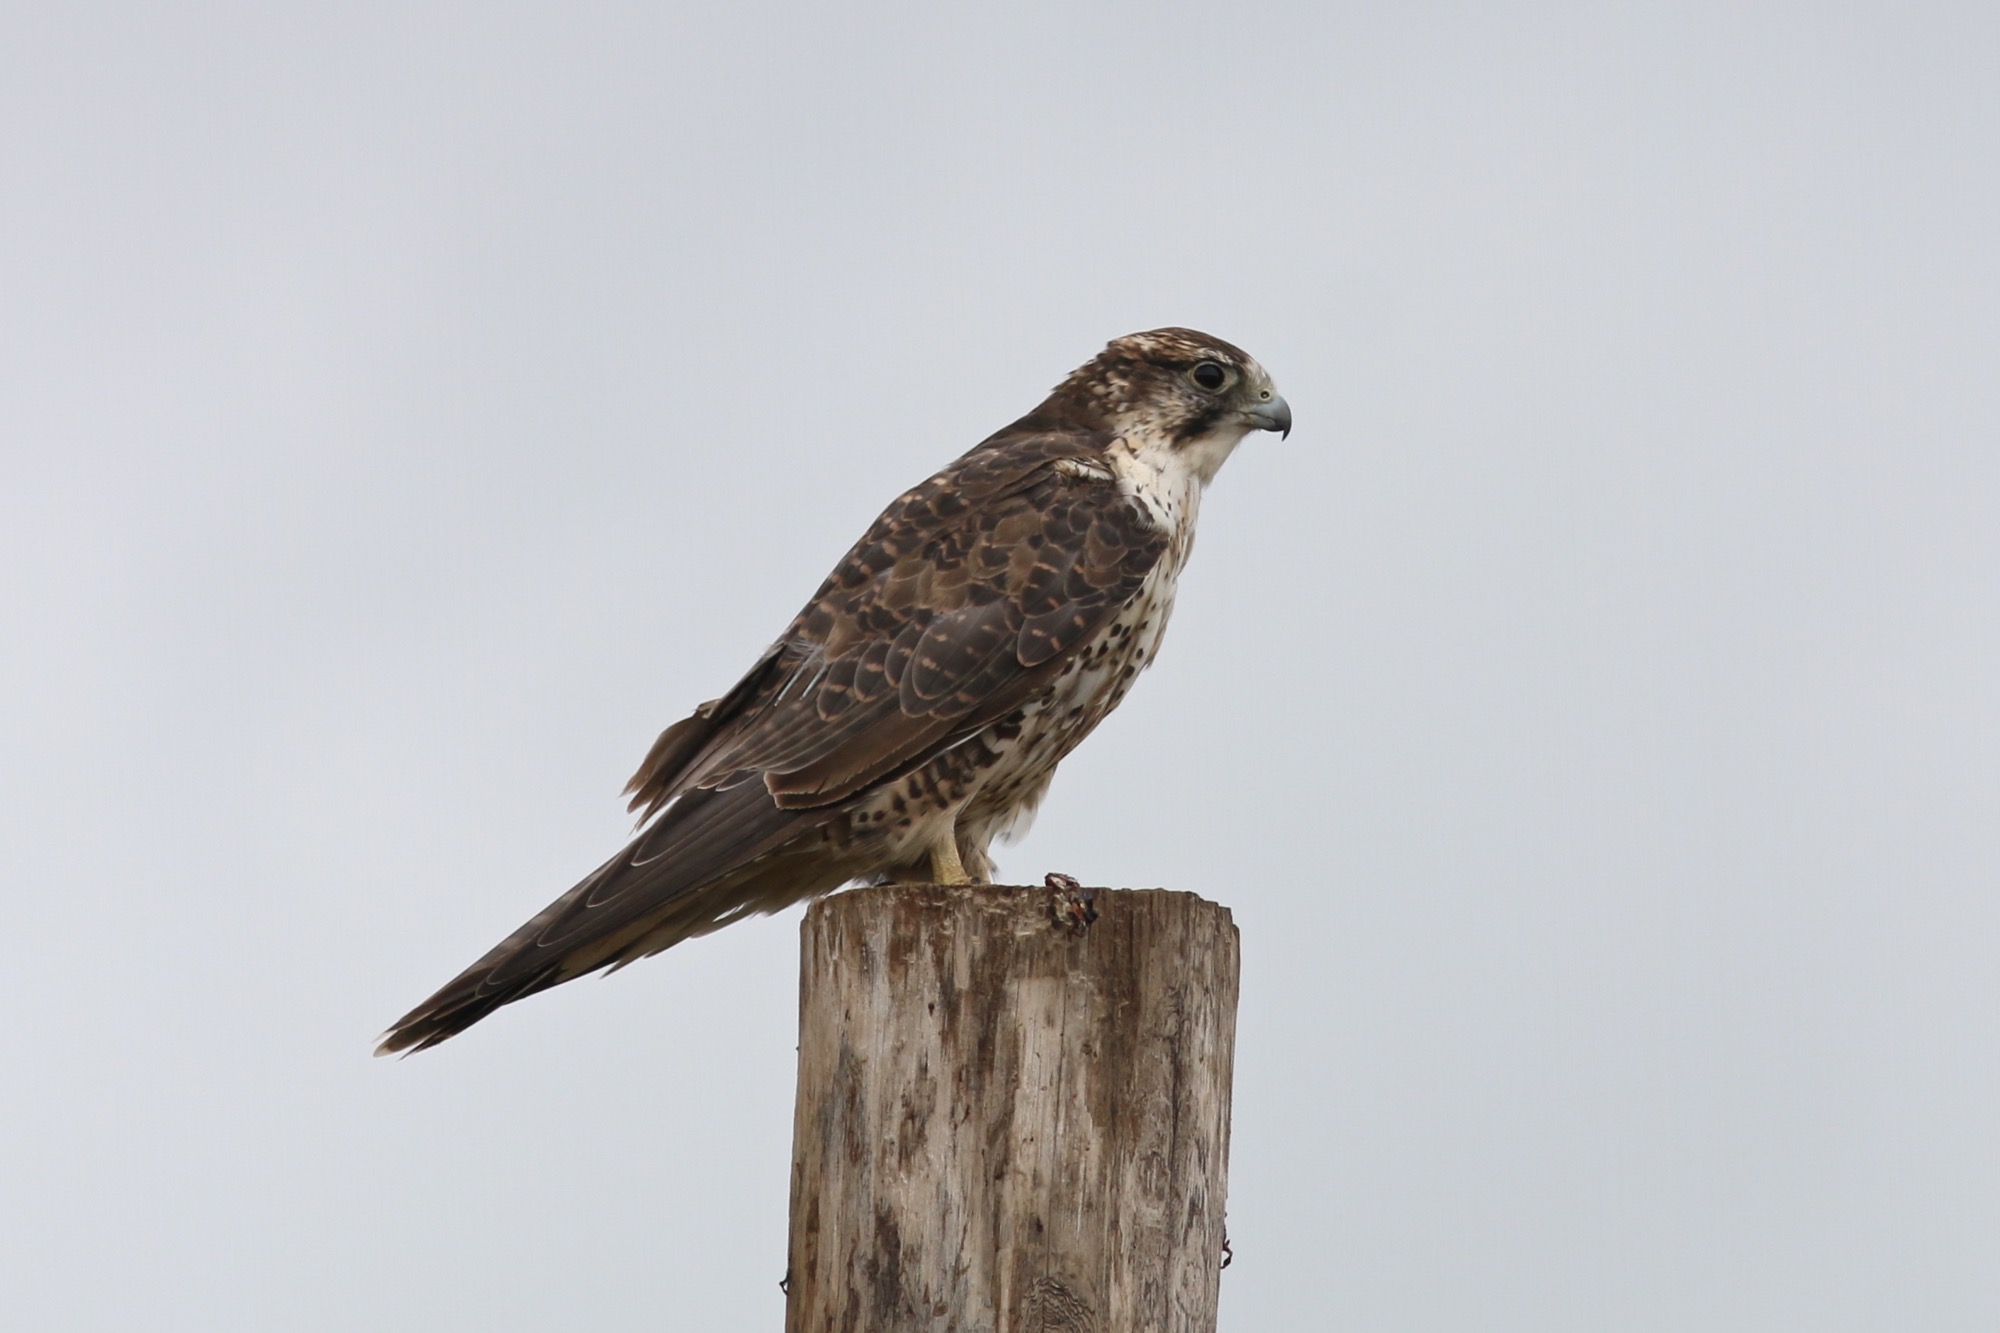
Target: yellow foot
[(946, 868)]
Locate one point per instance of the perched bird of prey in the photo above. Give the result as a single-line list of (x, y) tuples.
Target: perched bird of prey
[(917, 707)]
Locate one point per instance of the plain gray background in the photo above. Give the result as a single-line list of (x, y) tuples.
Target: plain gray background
[(1589, 713)]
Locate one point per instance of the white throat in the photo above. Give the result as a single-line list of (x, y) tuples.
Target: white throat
[(1167, 479)]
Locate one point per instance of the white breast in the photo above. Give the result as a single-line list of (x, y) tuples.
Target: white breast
[(1167, 482), (1094, 682)]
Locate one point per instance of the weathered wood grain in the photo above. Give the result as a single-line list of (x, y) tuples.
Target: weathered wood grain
[(1009, 1121)]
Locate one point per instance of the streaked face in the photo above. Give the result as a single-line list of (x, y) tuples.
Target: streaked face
[(1187, 385)]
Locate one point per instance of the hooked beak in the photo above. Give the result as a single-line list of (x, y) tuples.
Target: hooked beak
[(1275, 415)]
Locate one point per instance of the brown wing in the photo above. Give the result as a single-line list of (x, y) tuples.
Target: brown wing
[(959, 601), (957, 605)]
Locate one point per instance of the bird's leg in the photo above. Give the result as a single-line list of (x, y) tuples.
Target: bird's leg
[(946, 868)]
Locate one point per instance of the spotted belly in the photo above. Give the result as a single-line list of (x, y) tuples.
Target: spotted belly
[(989, 785)]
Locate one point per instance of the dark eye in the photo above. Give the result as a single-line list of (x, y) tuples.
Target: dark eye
[(1209, 376)]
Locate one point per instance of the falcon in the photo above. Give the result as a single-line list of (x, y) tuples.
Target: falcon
[(917, 707)]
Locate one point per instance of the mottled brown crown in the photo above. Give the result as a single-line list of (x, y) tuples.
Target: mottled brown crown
[(1143, 373)]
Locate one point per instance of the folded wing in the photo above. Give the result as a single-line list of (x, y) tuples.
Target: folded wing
[(961, 602)]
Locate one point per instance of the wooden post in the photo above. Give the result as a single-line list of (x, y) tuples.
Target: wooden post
[(1013, 1111)]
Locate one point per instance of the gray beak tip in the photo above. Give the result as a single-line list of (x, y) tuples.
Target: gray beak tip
[(1275, 415)]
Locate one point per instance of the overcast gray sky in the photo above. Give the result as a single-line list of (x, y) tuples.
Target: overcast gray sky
[(1590, 713)]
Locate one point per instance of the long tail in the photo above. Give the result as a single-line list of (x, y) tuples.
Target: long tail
[(711, 857)]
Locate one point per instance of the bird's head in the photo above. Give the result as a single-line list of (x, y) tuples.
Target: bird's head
[(1189, 389)]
